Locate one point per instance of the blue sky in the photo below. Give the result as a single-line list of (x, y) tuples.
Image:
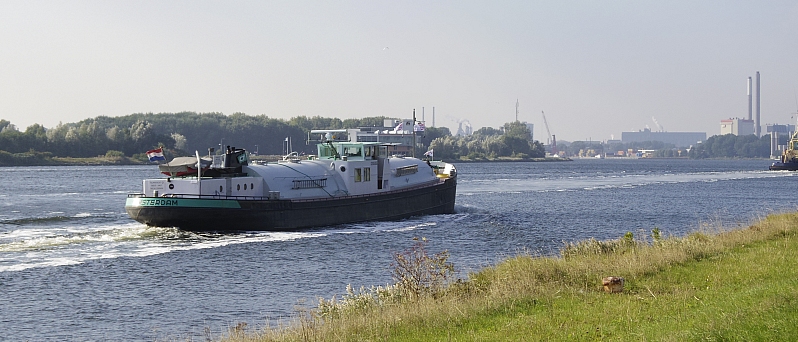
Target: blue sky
[(595, 68)]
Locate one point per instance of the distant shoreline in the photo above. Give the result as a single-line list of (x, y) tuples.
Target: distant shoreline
[(66, 161), (104, 161), (505, 160)]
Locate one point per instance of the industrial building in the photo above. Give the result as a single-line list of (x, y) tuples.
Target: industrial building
[(782, 130), (779, 134), (737, 126), (679, 139), (779, 137), (531, 128), (751, 125)]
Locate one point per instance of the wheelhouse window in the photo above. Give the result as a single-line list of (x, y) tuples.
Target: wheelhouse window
[(353, 151), (371, 152), (325, 151)]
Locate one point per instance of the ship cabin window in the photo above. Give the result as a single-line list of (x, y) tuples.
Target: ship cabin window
[(325, 151), (353, 151), (358, 175), (371, 152), (384, 151), (367, 174)]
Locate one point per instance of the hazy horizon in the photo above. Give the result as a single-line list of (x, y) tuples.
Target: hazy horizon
[(596, 69)]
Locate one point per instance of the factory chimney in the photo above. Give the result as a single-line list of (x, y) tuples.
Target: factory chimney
[(750, 100), (757, 128)]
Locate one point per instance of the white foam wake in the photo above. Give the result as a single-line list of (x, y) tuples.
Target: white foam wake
[(26, 248)]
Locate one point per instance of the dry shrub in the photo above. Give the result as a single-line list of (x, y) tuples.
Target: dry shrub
[(418, 274)]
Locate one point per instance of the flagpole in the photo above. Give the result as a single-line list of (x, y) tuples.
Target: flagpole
[(172, 174)]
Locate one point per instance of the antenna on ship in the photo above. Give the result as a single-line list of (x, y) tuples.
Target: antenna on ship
[(414, 132)]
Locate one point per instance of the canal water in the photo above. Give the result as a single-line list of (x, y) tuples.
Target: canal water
[(73, 266)]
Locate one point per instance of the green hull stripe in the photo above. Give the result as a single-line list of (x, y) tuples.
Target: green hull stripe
[(139, 202)]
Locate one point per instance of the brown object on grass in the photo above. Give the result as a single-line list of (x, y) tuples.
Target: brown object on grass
[(612, 284)]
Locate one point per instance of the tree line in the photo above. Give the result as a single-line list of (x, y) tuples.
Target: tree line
[(184, 132), (718, 146), (514, 140), (733, 146)]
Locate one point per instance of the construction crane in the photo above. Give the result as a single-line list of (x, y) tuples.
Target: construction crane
[(551, 141)]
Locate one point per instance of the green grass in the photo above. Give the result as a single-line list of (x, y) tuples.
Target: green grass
[(738, 285)]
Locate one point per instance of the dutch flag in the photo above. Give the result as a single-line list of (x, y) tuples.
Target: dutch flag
[(156, 154)]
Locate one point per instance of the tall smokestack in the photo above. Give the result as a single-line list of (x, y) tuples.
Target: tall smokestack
[(750, 101), (757, 129)]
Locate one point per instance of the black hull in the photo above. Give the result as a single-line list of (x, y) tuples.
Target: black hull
[(779, 166), (277, 215)]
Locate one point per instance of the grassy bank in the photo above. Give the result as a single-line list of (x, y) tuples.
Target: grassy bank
[(717, 284)]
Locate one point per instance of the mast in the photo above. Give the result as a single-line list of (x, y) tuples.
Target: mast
[(414, 132), (199, 174)]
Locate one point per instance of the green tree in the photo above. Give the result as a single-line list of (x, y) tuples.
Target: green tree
[(518, 130)]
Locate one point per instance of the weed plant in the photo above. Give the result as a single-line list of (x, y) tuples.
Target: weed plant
[(713, 284)]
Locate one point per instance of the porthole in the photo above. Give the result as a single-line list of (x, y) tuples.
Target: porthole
[(343, 169), (221, 189), (171, 186), (238, 187), (251, 186), (245, 186)]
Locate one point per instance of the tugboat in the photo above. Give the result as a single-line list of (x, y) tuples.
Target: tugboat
[(345, 182), (789, 158)]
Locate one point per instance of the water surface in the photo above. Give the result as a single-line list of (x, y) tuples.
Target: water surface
[(73, 266)]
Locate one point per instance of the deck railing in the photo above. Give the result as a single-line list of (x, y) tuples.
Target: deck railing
[(267, 198)]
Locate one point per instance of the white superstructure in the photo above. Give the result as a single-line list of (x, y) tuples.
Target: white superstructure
[(340, 169)]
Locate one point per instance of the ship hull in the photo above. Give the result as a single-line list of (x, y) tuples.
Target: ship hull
[(214, 214), (788, 166)]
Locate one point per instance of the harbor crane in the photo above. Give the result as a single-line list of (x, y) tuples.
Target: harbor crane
[(551, 139)]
